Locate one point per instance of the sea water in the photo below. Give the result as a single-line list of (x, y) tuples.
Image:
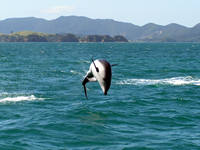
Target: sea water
[(153, 102)]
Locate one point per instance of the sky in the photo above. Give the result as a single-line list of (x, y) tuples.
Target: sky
[(138, 12)]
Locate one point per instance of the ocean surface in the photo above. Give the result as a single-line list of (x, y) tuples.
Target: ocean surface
[(153, 102)]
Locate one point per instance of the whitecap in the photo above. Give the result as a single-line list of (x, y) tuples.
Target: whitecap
[(86, 61), (74, 72), (175, 81), (20, 98), (78, 73)]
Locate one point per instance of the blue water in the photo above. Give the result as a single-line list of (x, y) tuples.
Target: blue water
[(153, 102)]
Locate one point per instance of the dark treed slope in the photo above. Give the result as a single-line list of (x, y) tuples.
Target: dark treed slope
[(85, 26), (28, 36)]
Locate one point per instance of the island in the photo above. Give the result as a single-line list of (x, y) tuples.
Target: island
[(29, 36)]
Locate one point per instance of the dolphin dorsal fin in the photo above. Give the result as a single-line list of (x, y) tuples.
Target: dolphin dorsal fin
[(97, 69)]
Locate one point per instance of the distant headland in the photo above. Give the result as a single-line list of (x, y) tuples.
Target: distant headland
[(28, 36), (101, 29)]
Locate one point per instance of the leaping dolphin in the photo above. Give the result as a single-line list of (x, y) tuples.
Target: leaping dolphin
[(100, 70)]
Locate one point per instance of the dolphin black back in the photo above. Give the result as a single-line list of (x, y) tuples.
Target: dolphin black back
[(108, 74)]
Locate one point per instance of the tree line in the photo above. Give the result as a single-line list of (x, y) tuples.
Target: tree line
[(27, 36)]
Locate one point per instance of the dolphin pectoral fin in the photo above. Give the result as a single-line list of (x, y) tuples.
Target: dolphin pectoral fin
[(97, 69), (84, 83)]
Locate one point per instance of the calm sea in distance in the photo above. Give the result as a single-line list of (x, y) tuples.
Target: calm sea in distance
[(153, 102)]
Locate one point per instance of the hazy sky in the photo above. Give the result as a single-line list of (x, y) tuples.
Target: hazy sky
[(138, 12)]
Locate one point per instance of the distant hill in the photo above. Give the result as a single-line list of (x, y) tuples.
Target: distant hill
[(85, 26)]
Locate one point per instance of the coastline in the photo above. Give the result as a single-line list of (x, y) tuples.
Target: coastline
[(28, 36)]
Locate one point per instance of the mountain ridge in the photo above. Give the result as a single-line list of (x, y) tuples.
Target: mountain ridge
[(81, 25)]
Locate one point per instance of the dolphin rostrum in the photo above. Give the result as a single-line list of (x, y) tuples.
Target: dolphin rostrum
[(100, 70)]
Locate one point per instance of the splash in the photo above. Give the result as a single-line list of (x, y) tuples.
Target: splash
[(74, 72), (20, 98), (175, 81)]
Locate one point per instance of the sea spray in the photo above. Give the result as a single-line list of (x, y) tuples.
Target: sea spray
[(20, 98), (174, 81)]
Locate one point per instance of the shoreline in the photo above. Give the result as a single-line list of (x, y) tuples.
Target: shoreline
[(28, 36)]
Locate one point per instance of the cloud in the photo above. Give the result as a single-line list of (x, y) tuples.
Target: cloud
[(59, 9)]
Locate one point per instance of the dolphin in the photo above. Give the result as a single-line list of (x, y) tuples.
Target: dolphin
[(100, 70)]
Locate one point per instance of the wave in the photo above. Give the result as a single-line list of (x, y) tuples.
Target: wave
[(20, 98), (175, 81), (74, 72), (78, 73)]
